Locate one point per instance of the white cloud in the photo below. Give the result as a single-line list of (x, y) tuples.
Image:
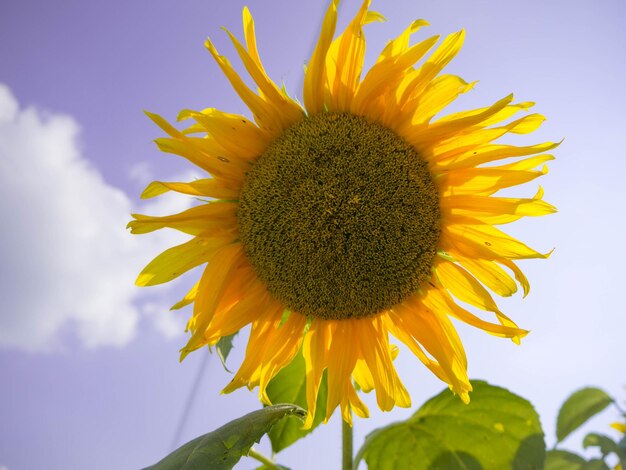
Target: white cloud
[(141, 173), (67, 259), (170, 324)]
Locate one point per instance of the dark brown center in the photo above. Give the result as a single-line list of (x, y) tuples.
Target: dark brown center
[(340, 218)]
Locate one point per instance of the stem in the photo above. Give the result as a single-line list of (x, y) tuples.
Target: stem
[(263, 459), (346, 437)]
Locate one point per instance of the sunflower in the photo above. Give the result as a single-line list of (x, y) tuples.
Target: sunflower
[(329, 227)]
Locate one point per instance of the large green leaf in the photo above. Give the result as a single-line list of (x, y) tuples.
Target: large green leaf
[(222, 448), (563, 460), (496, 430), (578, 408), (605, 443), (595, 464), (289, 386)]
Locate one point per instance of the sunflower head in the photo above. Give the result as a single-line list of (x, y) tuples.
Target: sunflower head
[(340, 218), (361, 216)]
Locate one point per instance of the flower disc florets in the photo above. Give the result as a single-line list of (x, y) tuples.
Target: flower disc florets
[(340, 217)]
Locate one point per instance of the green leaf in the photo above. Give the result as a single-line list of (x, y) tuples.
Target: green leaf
[(595, 464), (605, 443), (563, 460), (496, 430), (289, 386), (578, 408), (223, 348), (222, 448), (621, 445)]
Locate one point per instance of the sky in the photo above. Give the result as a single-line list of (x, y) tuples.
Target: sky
[(89, 362)]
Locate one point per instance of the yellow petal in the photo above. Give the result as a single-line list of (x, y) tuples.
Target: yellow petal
[(195, 128), (181, 258), (240, 139), (463, 285), (502, 114), (439, 300), (264, 113), (490, 274), (207, 187), (396, 327), (470, 150), (362, 376), (448, 49), (484, 241), (519, 275), (527, 124), (216, 217), (345, 62), (441, 130), (343, 354), (351, 402), (227, 321), (472, 205), (375, 349), (249, 373), (198, 151), (385, 75), (250, 37), (439, 93), (207, 159), (480, 219), (287, 110), (467, 289), (315, 351), (315, 76), (484, 181), (214, 281), (526, 164), (281, 349), (374, 17), (621, 427), (188, 299), (469, 156), (399, 45), (416, 325)]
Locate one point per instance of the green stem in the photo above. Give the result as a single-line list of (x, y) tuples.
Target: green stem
[(346, 435), (263, 459)]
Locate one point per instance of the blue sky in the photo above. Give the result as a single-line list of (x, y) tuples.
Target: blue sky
[(89, 363)]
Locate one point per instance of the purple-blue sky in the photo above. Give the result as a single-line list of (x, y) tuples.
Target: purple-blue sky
[(89, 363)]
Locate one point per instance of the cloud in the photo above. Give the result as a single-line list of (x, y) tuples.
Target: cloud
[(171, 324), (67, 259)]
